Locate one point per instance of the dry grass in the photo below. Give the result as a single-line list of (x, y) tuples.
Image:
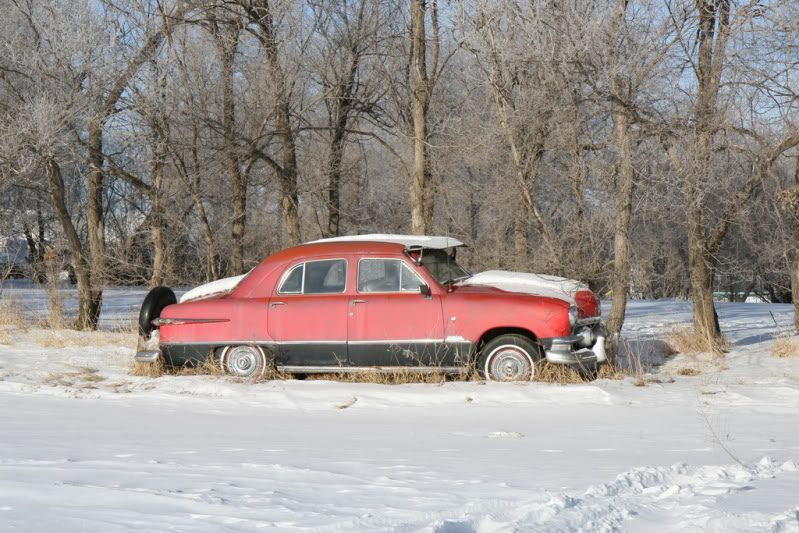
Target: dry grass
[(12, 315), (70, 338), (82, 377), (394, 377), (560, 374), (50, 338), (686, 371), (785, 346), (147, 370), (209, 368), (685, 340), (611, 370)]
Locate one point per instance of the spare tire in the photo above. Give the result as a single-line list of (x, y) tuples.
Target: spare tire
[(151, 308)]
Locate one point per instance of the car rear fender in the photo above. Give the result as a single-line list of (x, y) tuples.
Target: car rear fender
[(219, 322)]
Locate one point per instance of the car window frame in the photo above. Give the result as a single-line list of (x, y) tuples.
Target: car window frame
[(302, 265), (400, 291)]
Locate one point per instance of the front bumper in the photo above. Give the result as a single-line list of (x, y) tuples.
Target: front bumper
[(584, 348)]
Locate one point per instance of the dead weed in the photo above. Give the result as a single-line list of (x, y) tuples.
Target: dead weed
[(147, 370), (560, 374), (392, 377), (785, 346), (686, 340), (83, 377)]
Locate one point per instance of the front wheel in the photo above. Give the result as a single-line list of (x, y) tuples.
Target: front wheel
[(508, 358)]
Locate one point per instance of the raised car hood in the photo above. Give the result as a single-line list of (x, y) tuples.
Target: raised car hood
[(536, 284)]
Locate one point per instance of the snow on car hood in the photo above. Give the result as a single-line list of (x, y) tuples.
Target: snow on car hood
[(224, 285), (536, 284)]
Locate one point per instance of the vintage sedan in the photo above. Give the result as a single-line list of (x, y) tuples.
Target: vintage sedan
[(375, 302)]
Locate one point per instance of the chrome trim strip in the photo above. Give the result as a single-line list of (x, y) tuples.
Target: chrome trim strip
[(448, 340), (215, 343), (181, 321), (350, 369), (401, 341), (588, 321), (289, 343)]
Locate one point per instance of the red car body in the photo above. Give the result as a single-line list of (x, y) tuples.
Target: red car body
[(335, 315)]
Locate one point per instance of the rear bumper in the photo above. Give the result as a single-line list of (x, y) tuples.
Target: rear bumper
[(584, 348), (148, 356), (148, 350)]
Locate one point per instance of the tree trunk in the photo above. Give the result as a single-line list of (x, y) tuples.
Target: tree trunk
[(226, 36), (89, 299), (259, 12), (702, 266), (421, 189), (334, 158), (343, 106), (714, 21), (288, 177), (794, 265), (521, 233), (96, 230), (156, 224)]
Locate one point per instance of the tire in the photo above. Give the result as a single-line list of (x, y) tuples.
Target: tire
[(151, 308), (245, 361), (508, 357)]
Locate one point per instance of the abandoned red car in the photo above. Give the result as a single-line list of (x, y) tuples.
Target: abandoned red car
[(375, 302)]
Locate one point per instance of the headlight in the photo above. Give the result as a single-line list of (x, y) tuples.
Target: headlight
[(572, 315)]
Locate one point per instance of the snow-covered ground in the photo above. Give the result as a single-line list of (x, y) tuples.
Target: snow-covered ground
[(86, 447)]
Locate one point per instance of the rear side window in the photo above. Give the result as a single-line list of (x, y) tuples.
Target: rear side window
[(328, 276), (386, 275)]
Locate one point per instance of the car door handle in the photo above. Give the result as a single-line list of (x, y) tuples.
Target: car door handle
[(273, 304), (353, 302)]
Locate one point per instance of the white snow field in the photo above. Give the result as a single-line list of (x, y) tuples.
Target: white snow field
[(86, 447)]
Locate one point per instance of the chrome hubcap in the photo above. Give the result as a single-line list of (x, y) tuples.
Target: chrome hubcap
[(243, 361), (509, 364)]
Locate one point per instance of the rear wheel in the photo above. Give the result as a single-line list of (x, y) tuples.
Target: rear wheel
[(243, 361), (508, 357)]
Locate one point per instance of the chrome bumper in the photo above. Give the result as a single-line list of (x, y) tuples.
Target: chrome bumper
[(148, 350), (148, 356), (585, 348)]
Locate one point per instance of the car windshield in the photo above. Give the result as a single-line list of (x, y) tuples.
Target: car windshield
[(442, 266)]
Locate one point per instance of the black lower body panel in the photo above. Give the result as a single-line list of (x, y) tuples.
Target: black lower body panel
[(186, 354)]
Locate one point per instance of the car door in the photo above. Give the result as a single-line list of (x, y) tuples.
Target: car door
[(308, 314), (391, 323)]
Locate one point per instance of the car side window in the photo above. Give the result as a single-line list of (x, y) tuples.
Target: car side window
[(386, 275), (328, 276), (292, 284), (325, 277)]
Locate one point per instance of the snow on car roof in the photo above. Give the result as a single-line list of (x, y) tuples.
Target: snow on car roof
[(425, 241)]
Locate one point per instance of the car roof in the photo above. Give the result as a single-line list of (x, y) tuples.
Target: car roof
[(423, 241), (313, 249)]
